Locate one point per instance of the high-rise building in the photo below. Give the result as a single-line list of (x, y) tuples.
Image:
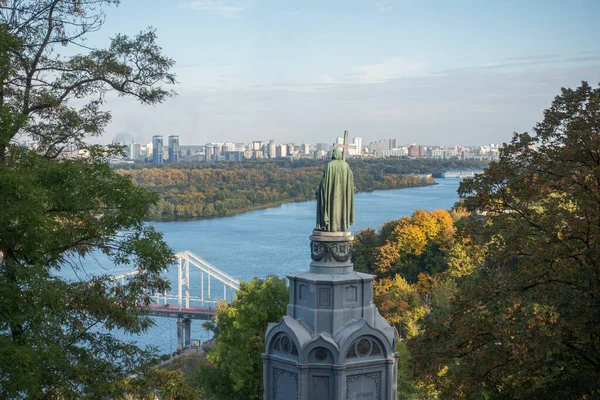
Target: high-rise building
[(241, 147), (324, 146), (173, 148), (258, 154), (233, 155), (386, 144), (135, 151), (228, 146), (157, 149), (291, 149), (208, 152), (413, 150), (282, 150), (147, 151), (357, 150), (437, 152), (213, 151), (271, 149)]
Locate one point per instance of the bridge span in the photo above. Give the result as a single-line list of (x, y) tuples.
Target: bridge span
[(167, 311), (183, 306)]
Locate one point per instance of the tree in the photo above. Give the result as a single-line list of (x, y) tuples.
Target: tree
[(160, 383), (400, 303), (407, 246), (56, 334), (236, 358), (46, 81), (8, 121), (418, 262), (527, 324)]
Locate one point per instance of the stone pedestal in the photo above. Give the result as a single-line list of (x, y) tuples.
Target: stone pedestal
[(332, 344)]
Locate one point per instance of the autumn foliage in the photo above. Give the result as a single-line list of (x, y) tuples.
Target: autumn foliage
[(194, 190), (526, 325), (501, 298), (415, 260)]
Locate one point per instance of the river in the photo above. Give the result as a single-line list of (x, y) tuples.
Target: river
[(272, 241)]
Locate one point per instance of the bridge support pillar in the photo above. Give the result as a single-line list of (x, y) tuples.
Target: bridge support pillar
[(184, 333), (180, 328), (188, 332)]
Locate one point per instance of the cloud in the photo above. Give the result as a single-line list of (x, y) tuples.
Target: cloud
[(376, 73), (536, 57), (526, 62), (201, 65), (384, 7), (225, 8)]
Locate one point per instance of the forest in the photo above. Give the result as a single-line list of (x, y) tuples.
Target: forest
[(200, 190), (498, 299)]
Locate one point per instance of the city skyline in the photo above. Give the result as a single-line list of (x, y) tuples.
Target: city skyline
[(445, 72), (156, 153), (393, 143)]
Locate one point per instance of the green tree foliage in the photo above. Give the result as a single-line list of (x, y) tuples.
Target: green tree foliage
[(8, 120), (235, 370), (52, 330), (55, 333), (527, 324), (158, 383), (200, 190), (46, 81)]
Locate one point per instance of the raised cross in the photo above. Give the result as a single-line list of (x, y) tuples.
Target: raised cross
[(345, 146)]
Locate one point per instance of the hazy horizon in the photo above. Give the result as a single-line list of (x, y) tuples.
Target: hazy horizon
[(419, 71)]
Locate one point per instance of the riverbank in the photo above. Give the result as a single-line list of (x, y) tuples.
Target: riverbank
[(188, 192), (256, 207), (230, 213)]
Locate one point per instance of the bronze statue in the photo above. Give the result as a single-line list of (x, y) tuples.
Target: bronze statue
[(335, 196)]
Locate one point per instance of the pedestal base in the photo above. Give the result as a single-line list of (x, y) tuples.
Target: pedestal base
[(332, 344)]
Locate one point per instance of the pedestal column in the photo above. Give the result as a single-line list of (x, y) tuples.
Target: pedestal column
[(330, 252)]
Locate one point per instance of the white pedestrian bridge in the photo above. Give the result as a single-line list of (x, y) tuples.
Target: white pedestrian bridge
[(197, 293)]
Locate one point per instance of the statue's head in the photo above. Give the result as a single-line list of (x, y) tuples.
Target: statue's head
[(337, 154)]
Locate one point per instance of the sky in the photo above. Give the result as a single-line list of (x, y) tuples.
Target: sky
[(433, 72)]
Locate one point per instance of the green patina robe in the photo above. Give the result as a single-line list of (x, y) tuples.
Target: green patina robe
[(335, 197)]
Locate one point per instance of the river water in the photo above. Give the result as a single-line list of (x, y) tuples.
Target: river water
[(271, 241)]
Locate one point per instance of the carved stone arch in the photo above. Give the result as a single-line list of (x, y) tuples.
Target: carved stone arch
[(319, 344), (284, 344), (363, 347), (296, 333), (349, 335)]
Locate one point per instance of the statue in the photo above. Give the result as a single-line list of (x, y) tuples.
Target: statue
[(335, 196)]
